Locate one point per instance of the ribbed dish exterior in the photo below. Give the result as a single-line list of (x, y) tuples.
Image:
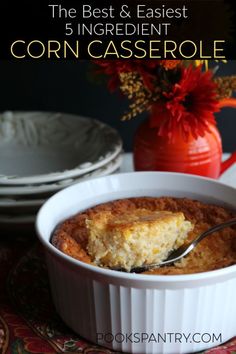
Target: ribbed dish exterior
[(116, 313), (100, 304)]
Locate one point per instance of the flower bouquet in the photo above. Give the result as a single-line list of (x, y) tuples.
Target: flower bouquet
[(182, 98)]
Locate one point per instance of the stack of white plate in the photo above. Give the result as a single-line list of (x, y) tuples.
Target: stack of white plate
[(42, 153)]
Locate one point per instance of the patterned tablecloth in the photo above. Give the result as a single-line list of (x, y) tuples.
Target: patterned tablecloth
[(28, 320)]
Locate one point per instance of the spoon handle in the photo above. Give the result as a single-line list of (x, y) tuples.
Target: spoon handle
[(214, 229), (183, 250)]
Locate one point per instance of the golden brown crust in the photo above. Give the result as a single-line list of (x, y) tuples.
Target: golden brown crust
[(127, 220), (216, 251)]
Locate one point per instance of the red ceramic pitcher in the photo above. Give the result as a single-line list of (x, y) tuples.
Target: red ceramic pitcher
[(201, 156)]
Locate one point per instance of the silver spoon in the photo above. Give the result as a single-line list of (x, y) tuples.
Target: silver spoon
[(183, 250)]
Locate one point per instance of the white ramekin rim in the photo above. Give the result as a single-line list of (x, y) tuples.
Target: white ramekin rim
[(227, 271)]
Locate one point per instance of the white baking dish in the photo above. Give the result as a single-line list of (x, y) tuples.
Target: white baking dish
[(133, 312)]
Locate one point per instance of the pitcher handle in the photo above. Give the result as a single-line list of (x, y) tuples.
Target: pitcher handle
[(228, 163), (228, 102)]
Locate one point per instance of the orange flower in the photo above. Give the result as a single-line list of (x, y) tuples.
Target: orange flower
[(169, 64)]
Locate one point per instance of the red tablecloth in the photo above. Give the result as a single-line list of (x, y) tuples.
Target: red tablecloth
[(28, 321)]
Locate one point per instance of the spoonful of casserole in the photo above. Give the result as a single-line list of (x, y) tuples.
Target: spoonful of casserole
[(135, 239), (141, 240)]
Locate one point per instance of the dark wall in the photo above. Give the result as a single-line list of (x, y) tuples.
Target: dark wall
[(68, 87)]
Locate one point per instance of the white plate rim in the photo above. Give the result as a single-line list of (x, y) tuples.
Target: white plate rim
[(30, 219), (75, 172), (24, 219), (11, 203), (109, 168)]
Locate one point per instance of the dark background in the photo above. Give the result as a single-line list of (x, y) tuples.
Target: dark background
[(207, 20), (70, 86)]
